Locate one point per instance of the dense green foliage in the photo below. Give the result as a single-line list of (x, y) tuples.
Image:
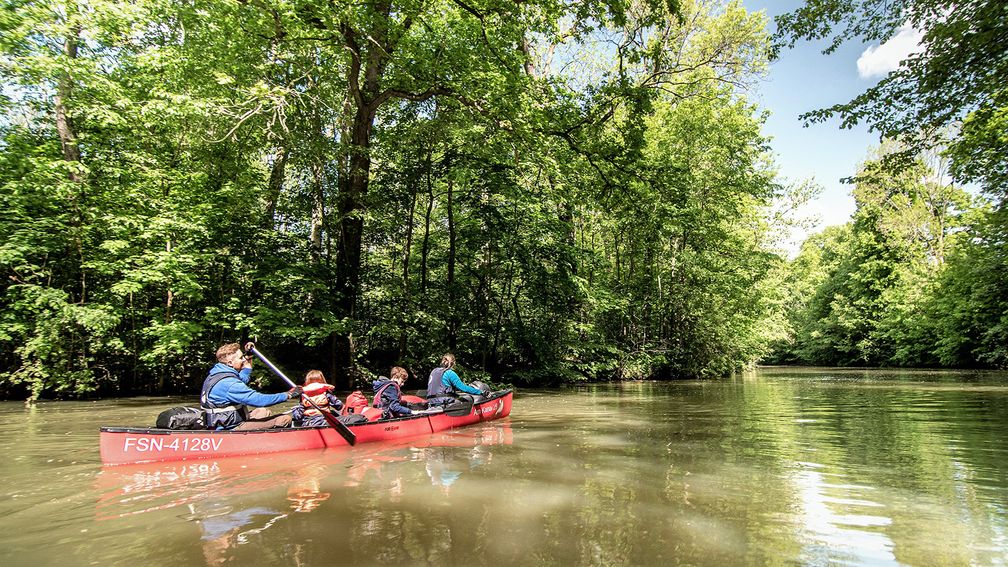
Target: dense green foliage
[(914, 280), (551, 190), (917, 278)]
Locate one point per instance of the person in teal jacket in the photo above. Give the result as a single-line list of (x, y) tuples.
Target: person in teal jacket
[(444, 384)]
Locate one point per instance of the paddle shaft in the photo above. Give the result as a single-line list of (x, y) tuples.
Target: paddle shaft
[(339, 426)]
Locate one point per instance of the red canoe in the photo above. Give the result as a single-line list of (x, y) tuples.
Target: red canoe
[(125, 445)]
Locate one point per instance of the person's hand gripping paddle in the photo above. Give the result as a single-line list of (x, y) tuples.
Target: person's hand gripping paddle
[(339, 426)]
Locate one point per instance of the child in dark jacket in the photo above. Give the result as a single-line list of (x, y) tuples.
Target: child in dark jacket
[(388, 394), (317, 390)]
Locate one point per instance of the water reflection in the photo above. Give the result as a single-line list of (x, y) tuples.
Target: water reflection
[(784, 467), (305, 493), (306, 476), (832, 533), (225, 497), (223, 528), (444, 466)]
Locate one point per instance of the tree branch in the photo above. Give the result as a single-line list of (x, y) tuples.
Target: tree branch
[(417, 97)]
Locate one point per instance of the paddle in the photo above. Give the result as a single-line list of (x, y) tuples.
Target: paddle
[(340, 427)]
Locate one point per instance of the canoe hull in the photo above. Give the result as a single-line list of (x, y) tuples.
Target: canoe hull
[(125, 445)]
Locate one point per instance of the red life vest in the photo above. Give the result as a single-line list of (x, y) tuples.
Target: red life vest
[(316, 392), (355, 403)]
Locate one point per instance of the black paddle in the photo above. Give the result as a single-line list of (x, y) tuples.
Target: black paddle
[(339, 426)]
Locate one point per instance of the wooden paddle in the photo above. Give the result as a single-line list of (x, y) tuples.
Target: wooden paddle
[(339, 426)]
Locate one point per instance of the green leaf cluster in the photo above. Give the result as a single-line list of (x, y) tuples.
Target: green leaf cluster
[(551, 190)]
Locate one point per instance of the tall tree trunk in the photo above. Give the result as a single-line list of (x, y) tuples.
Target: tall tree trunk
[(452, 312), (171, 296), (425, 249), (318, 211), (350, 208), (72, 155), (169, 300), (276, 179), (71, 151), (370, 50), (407, 303), (616, 250), (64, 124)]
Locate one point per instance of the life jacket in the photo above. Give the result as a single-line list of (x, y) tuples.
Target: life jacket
[(379, 405), (316, 392), (378, 395), (355, 403), (435, 387), (217, 415)]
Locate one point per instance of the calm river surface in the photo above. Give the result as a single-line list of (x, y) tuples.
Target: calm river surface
[(779, 466)]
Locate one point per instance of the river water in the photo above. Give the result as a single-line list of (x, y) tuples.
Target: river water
[(779, 466)]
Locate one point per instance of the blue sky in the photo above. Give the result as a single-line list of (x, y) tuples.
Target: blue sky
[(804, 79)]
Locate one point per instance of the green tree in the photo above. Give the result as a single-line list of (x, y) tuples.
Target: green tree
[(970, 307), (868, 290), (552, 190)]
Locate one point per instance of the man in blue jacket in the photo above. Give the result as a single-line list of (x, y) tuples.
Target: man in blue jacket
[(226, 394)]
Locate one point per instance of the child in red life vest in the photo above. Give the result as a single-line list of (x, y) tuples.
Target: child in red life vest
[(315, 389)]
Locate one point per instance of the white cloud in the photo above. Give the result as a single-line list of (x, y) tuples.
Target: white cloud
[(879, 60)]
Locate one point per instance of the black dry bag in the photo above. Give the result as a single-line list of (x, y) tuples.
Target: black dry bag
[(181, 418), (351, 418)]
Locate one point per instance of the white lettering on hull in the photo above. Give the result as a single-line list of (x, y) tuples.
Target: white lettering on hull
[(186, 445), (494, 408)]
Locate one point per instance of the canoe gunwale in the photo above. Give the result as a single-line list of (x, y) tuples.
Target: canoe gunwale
[(131, 445), (157, 431)]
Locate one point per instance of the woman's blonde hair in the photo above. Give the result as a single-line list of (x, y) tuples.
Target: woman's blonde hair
[(314, 377), (448, 360)]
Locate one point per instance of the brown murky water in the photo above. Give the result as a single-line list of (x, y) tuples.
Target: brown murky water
[(780, 466)]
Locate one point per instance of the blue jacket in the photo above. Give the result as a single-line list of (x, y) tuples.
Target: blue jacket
[(235, 389), (390, 400), (452, 381)]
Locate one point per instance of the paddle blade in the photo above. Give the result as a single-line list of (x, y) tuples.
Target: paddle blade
[(340, 427)]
